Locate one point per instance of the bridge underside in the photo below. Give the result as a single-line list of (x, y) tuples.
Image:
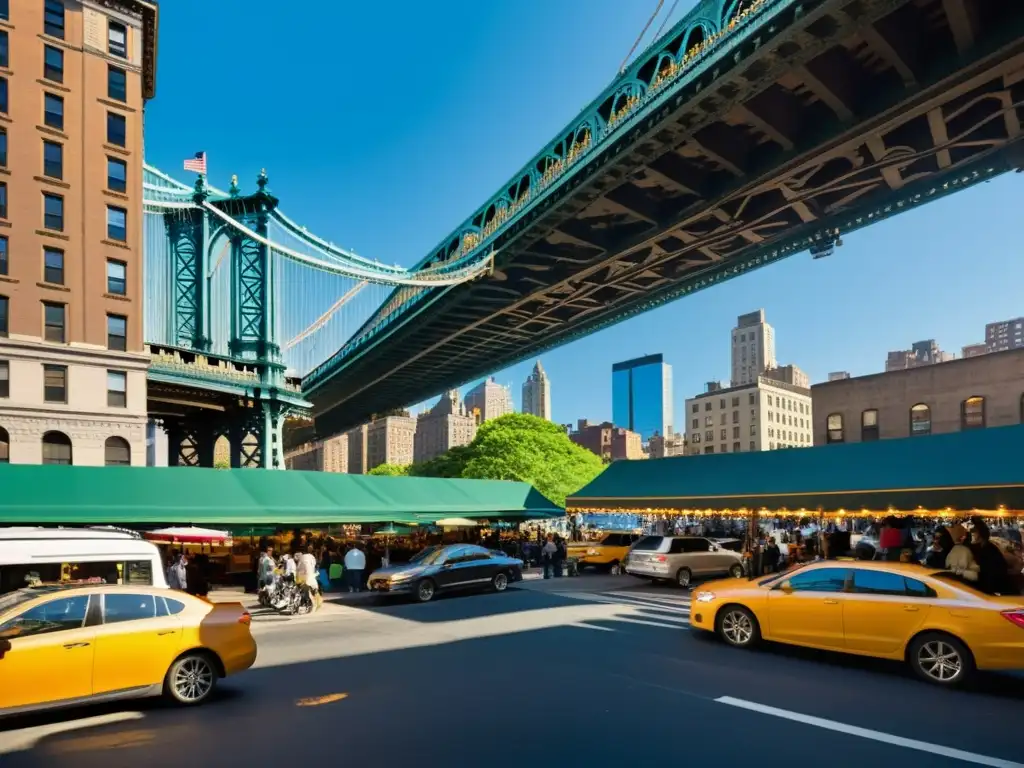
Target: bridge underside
[(848, 113)]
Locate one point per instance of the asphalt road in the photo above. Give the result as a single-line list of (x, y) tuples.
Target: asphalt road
[(532, 677)]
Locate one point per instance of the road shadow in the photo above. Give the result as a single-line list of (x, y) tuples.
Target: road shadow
[(428, 705), (457, 606)]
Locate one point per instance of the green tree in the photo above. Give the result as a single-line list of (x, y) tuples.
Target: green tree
[(520, 447), (389, 470)]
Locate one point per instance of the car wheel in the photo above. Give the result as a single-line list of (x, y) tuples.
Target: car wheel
[(736, 571), (425, 591), (615, 569), (940, 659), (738, 627), (191, 679), (683, 577), (500, 582)]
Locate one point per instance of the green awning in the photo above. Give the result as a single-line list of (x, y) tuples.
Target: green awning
[(240, 498), (977, 469)]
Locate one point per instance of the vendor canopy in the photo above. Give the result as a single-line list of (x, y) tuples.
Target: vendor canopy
[(242, 497), (977, 469)]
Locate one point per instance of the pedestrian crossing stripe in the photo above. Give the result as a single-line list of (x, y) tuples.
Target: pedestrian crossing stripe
[(666, 612)]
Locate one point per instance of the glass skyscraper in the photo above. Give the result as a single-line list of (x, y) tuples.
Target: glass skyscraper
[(642, 396)]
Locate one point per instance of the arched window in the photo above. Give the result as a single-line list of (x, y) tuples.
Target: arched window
[(117, 452), (56, 448), (869, 425), (5, 446), (834, 425), (972, 413), (920, 420)]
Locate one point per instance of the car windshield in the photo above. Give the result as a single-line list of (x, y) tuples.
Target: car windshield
[(428, 556), (782, 575), (16, 598)]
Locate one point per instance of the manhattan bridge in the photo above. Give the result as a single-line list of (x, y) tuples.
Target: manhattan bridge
[(749, 131)]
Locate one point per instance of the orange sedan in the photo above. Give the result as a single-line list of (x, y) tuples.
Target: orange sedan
[(66, 646), (943, 628)]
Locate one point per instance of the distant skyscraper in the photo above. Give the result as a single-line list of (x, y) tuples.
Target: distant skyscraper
[(537, 393), (642, 396), (489, 400), (838, 375), (921, 353), (1004, 335), (753, 348), (443, 427)]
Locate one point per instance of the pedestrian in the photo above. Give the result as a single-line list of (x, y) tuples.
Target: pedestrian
[(547, 555), (177, 577), (355, 564), (993, 576)]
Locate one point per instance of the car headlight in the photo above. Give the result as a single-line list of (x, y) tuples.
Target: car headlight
[(705, 597), (591, 551), (402, 576)]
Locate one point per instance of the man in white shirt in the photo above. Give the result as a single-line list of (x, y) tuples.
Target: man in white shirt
[(355, 564), (305, 569), (289, 566)]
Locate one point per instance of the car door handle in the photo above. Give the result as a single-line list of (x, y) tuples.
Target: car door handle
[(831, 602), (165, 632), (911, 608), (69, 646)]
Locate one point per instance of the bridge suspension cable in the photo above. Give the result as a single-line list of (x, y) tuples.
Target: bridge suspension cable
[(640, 37), (321, 321)]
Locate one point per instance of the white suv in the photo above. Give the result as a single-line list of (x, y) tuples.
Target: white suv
[(680, 559)]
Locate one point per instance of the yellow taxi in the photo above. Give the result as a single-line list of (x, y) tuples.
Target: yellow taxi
[(608, 553), (942, 627), (70, 645)]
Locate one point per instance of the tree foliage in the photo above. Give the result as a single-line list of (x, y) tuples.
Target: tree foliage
[(520, 447), (389, 470)]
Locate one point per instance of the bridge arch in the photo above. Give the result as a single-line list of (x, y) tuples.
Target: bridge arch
[(733, 8), (622, 101)]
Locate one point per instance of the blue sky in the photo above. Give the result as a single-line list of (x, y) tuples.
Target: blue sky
[(383, 126)]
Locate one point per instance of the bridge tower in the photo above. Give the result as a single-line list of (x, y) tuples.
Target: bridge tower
[(245, 391)]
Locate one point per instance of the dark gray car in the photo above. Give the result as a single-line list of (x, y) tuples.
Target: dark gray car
[(451, 567)]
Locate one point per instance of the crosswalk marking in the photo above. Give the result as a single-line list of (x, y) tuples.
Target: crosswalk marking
[(665, 611)]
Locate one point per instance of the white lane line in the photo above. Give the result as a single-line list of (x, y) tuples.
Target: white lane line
[(584, 625), (630, 620), (27, 738), (866, 733)]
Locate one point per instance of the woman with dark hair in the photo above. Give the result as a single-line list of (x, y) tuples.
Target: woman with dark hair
[(993, 576), (942, 543)]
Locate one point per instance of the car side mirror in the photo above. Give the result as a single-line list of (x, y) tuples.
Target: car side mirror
[(786, 587), (5, 646)]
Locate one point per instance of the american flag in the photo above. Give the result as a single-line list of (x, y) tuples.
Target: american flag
[(197, 164)]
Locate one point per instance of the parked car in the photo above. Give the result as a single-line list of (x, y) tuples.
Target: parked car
[(93, 644), (443, 568), (608, 553), (897, 611), (680, 559)]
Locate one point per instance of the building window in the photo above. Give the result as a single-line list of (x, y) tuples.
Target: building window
[(117, 84), (735, 432), (53, 160), (920, 420), (53, 322), (694, 408), (709, 436), (57, 449), (117, 283), (753, 429), (55, 383), (3, 200), (53, 64), (724, 435), (972, 413), (709, 421), (116, 129), (5, 9), (117, 39), (53, 266), (5, 50), (834, 426), (53, 212), (4, 265), (3, 95), (735, 447), (5, 378), (117, 175), (753, 445), (117, 452), (53, 18), (869, 425), (117, 223), (735, 417), (709, 449), (3, 148), (5, 446), (117, 333), (53, 111), (117, 389), (5, 312)]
